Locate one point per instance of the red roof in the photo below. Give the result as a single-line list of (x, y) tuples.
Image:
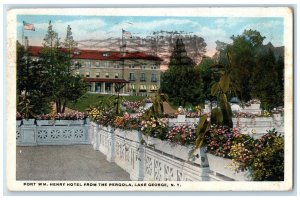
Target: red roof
[(100, 55), (107, 80)]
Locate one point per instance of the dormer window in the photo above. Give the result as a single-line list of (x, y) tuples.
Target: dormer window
[(105, 54), (106, 75), (76, 52)]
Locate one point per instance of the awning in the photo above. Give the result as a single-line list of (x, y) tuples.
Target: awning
[(143, 87), (153, 88), (131, 87), (106, 80)]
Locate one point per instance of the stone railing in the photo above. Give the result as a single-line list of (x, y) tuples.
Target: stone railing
[(52, 132), (259, 125), (254, 126), (149, 159)]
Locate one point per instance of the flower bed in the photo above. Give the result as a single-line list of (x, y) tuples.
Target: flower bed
[(243, 152)]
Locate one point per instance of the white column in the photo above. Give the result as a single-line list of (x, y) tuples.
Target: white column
[(103, 87), (93, 87), (113, 88)]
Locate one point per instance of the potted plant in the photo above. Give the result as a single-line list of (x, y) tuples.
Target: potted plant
[(44, 120), (229, 152), (73, 118)]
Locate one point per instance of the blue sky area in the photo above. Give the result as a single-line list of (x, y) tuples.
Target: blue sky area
[(101, 27)]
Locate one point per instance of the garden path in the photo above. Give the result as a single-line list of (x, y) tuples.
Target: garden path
[(66, 162)]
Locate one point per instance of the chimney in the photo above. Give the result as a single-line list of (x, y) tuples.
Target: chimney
[(26, 43)]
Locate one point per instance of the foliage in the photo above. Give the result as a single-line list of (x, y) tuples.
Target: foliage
[(222, 115), (62, 116), (26, 107), (106, 118), (154, 127), (18, 116), (182, 82), (263, 157), (264, 83), (206, 72), (254, 68), (127, 122), (201, 130), (92, 100), (61, 85), (133, 106), (157, 109), (30, 82), (268, 162), (183, 135)]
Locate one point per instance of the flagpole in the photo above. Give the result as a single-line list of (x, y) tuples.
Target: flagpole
[(122, 49), (23, 34)]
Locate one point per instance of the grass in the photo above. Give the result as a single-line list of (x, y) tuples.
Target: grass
[(92, 99)]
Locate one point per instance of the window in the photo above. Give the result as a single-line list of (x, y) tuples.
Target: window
[(143, 66), (106, 75), (76, 52), (105, 54), (131, 66), (106, 64), (116, 65), (153, 77), (153, 67), (87, 63), (116, 75), (97, 64), (143, 77), (131, 76), (87, 74), (97, 74)]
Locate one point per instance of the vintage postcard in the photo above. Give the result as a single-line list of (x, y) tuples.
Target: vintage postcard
[(150, 99)]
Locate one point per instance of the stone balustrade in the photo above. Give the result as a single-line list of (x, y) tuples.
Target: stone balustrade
[(52, 132), (147, 158)]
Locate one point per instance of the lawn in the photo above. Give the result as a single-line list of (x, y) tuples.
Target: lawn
[(92, 99)]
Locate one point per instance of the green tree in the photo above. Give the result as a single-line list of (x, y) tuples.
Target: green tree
[(182, 82), (243, 51), (264, 82), (30, 83), (280, 74), (62, 85), (206, 71)]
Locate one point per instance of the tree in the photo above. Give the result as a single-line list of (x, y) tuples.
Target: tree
[(182, 82), (30, 83), (243, 51), (206, 71), (62, 85), (264, 82)]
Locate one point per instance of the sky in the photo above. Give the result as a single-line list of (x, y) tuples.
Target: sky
[(101, 27)]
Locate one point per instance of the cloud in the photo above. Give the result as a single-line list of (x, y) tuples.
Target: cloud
[(147, 27), (211, 35), (227, 22), (272, 30), (81, 29)]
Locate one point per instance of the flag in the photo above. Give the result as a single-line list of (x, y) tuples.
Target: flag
[(126, 34), (28, 26)]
